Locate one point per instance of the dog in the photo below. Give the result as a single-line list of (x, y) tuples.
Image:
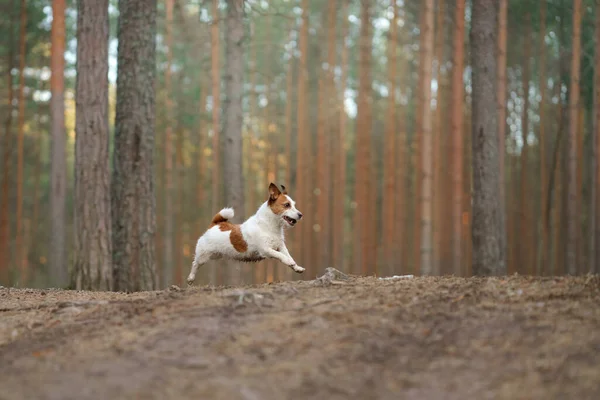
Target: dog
[(260, 237)]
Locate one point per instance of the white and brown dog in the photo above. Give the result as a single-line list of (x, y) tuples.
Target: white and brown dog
[(261, 236)]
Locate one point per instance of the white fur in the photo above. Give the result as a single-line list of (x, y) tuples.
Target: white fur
[(263, 232)]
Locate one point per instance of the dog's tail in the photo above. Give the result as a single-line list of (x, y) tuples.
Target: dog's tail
[(223, 216)]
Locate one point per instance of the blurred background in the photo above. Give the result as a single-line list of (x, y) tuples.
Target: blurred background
[(332, 109)]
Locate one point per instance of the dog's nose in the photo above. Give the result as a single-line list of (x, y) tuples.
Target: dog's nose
[(299, 215)]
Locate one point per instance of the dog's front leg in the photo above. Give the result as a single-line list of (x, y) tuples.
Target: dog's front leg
[(284, 258), (295, 267)]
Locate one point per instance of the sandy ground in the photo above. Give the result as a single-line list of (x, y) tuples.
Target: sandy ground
[(361, 338)]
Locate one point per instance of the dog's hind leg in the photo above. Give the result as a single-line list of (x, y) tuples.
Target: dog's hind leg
[(200, 258)]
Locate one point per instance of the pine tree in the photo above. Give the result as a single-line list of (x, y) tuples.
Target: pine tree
[(487, 246), (457, 136), (93, 247), (572, 211), (132, 184)]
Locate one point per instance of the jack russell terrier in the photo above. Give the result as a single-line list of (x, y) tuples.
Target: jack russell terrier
[(261, 236)]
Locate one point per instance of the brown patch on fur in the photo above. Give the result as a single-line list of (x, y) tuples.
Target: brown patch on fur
[(276, 199), (277, 206), (217, 219), (237, 239), (235, 236)]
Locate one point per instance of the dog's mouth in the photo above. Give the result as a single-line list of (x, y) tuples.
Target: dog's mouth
[(290, 221)]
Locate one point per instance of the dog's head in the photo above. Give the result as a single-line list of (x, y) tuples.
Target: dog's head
[(282, 205)]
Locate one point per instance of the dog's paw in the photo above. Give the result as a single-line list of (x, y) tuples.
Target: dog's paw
[(190, 280), (298, 269)]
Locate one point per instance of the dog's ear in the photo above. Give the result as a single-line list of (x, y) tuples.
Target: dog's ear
[(283, 189), (274, 192)]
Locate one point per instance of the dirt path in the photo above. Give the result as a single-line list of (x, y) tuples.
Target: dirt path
[(424, 338)]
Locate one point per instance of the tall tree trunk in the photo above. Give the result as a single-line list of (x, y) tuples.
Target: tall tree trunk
[(58, 174), (427, 148), (389, 151), (363, 184), (402, 239), (19, 244), (595, 215), (554, 206), (201, 159), (487, 243), (217, 186), (558, 259), (543, 245), (180, 224), (168, 234), (303, 142), (232, 111), (332, 128), (269, 131), (339, 180), (132, 185), (37, 169), (6, 168), (572, 211), (289, 88), (417, 144), (93, 252), (457, 135), (439, 142), (501, 95), (525, 220), (580, 167), (323, 173)]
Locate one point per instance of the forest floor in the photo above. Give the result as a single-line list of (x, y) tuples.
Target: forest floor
[(361, 338)]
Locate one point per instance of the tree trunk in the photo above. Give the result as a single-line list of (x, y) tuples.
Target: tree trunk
[(19, 243), (559, 206), (487, 243), (269, 132), (201, 161), (58, 172), (439, 141), (332, 129), (289, 88), (580, 167), (168, 217), (339, 180), (6, 168), (572, 211), (217, 185), (132, 186), (37, 169), (457, 136), (427, 143), (543, 245), (179, 181), (93, 252), (303, 142), (324, 111), (417, 153), (232, 111), (554, 207), (525, 220), (389, 151), (363, 184), (595, 215), (402, 239), (501, 95)]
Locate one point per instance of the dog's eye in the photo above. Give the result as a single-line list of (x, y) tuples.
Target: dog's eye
[(287, 205)]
